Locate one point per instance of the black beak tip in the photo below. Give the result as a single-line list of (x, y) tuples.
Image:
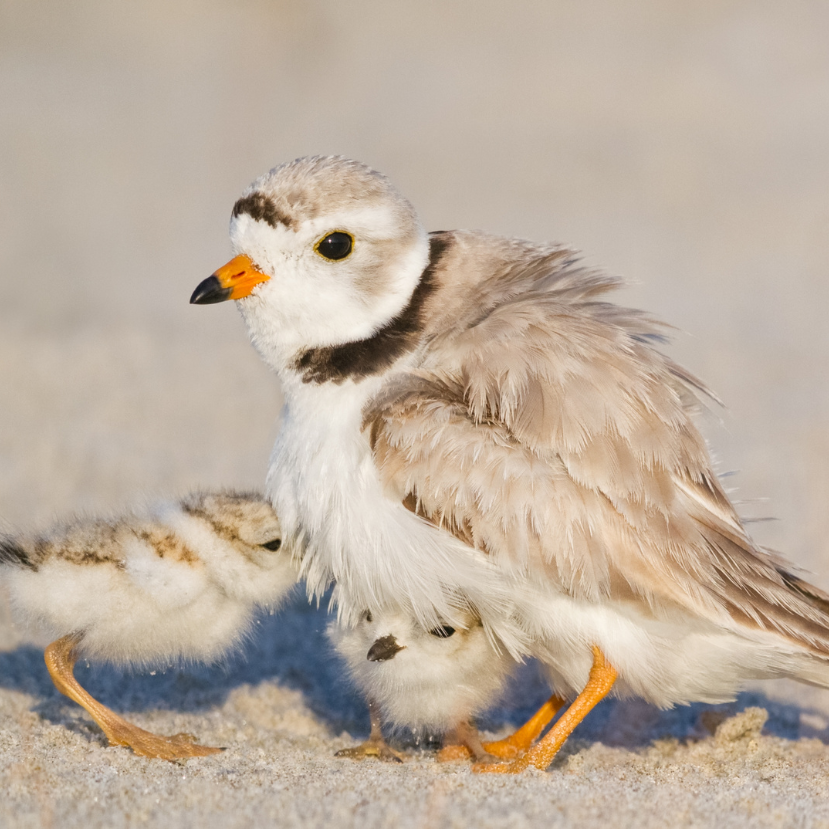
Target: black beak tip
[(383, 649), (209, 291)]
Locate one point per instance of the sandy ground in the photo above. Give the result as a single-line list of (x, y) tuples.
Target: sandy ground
[(681, 145)]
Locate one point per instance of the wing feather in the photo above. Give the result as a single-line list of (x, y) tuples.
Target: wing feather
[(547, 429)]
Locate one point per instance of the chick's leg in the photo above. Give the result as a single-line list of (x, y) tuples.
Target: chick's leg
[(463, 742), (375, 745), (519, 742), (602, 677), (60, 659)]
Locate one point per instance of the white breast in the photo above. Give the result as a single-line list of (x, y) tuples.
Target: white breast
[(331, 503)]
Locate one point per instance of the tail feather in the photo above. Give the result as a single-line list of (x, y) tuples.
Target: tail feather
[(814, 595)]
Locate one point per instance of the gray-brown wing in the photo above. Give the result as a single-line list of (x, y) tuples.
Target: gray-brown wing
[(554, 435)]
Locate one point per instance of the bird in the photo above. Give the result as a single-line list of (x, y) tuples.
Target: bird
[(434, 682), (174, 580), (469, 423)]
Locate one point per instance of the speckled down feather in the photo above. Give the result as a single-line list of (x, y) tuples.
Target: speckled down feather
[(174, 580)]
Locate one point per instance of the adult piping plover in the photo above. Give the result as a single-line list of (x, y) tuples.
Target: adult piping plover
[(432, 681), (179, 581), (459, 391)]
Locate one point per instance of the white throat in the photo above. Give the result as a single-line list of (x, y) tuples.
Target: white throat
[(308, 304)]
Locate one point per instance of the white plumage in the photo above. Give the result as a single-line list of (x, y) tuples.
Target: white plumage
[(180, 580), (434, 682), (470, 424)]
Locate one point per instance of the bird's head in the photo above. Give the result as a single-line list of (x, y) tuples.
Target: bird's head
[(244, 520), (327, 252), (444, 649)]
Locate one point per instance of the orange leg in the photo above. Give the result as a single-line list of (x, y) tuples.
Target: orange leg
[(521, 740), (602, 677), (463, 742), (60, 659)]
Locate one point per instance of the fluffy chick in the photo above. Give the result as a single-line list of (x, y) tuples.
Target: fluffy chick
[(434, 681), (180, 580)]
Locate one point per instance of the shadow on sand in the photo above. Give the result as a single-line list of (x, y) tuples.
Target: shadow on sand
[(291, 649)]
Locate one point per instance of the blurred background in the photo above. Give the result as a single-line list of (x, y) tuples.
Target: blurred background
[(684, 146)]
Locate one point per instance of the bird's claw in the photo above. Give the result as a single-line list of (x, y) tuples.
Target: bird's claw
[(145, 744), (374, 750)]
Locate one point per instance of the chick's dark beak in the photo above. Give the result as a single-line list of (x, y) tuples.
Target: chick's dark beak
[(383, 649)]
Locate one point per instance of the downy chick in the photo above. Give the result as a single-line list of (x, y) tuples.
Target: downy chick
[(180, 580), (434, 681)]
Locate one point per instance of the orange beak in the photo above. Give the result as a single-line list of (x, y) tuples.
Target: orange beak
[(234, 280)]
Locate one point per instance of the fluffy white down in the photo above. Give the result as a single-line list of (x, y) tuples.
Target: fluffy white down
[(145, 609), (433, 683)]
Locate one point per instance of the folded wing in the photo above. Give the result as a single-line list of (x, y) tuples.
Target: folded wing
[(548, 430)]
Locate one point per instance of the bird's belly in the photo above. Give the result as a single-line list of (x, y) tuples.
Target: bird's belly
[(666, 661), (147, 635), (432, 696)]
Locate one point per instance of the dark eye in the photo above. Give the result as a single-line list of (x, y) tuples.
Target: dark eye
[(367, 616), (273, 545), (335, 246), (442, 632)]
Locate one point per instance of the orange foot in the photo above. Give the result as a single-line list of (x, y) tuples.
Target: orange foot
[(602, 677), (60, 659), (463, 742), (146, 744), (518, 743), (507, 749), (453, 753), (515, 767)]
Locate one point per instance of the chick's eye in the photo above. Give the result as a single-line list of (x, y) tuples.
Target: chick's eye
[(443, 632), (274, 545), (335, 246)]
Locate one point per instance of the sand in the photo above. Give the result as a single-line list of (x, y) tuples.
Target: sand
[(680, 145), (283, 712)]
